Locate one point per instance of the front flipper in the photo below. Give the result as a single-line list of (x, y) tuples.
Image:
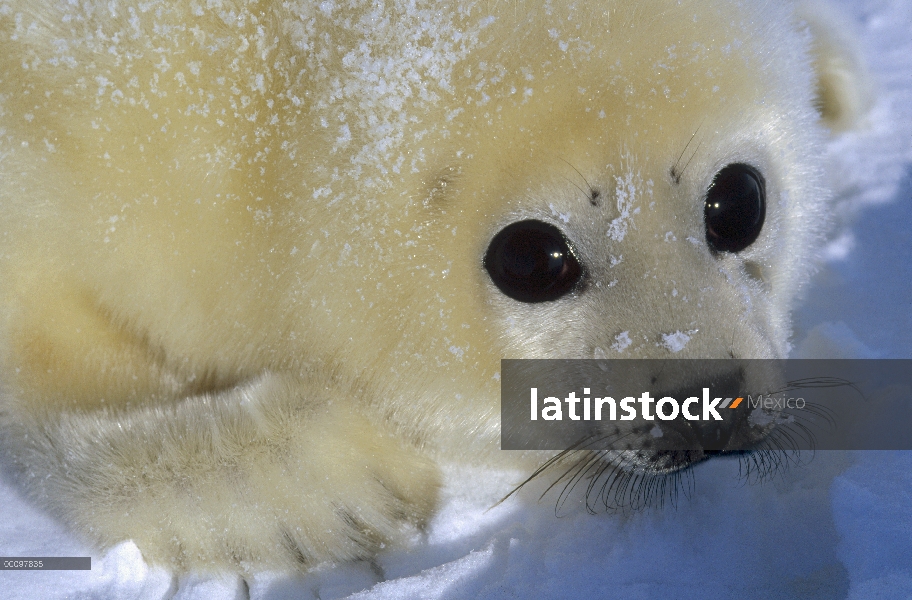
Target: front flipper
[(281, 473)]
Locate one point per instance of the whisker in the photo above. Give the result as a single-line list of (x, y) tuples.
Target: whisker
[(579, 446), (692, 156), (582, 191), (675, 175), (593, 194)]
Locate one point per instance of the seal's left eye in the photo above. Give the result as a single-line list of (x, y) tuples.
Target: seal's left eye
[(735, 208), (531, 261)]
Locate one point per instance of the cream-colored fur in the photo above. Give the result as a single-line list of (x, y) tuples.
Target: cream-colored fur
[(243, 300)]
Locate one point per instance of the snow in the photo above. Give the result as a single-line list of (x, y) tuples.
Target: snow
[(839, 526), (675, 342), (621, 341)]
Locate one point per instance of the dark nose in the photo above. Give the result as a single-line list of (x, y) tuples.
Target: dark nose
[(712, 436)]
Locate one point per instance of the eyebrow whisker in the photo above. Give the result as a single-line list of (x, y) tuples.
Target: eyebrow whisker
[(594, 193), (582, 191), (675, 174), (700, 145)]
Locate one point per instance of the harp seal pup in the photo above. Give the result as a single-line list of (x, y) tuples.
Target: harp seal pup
[(258, 259)]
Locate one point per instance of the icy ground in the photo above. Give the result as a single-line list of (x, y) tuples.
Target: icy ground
[(840, 527)]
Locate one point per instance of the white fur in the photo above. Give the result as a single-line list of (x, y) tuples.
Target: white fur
[(243, 301)]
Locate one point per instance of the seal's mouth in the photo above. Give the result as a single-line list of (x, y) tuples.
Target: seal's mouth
[(681, 442), (659, 445), (652, 461), (644, 462)]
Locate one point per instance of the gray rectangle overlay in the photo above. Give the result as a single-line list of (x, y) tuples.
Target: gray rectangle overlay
[(46, 563), (692, 405)]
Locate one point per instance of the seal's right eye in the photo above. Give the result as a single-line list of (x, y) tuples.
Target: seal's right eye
[(531, 261)]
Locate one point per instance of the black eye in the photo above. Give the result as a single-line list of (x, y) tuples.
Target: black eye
[(735, 208), (530, 261)]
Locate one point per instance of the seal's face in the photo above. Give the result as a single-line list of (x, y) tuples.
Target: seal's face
[(659, 202)]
